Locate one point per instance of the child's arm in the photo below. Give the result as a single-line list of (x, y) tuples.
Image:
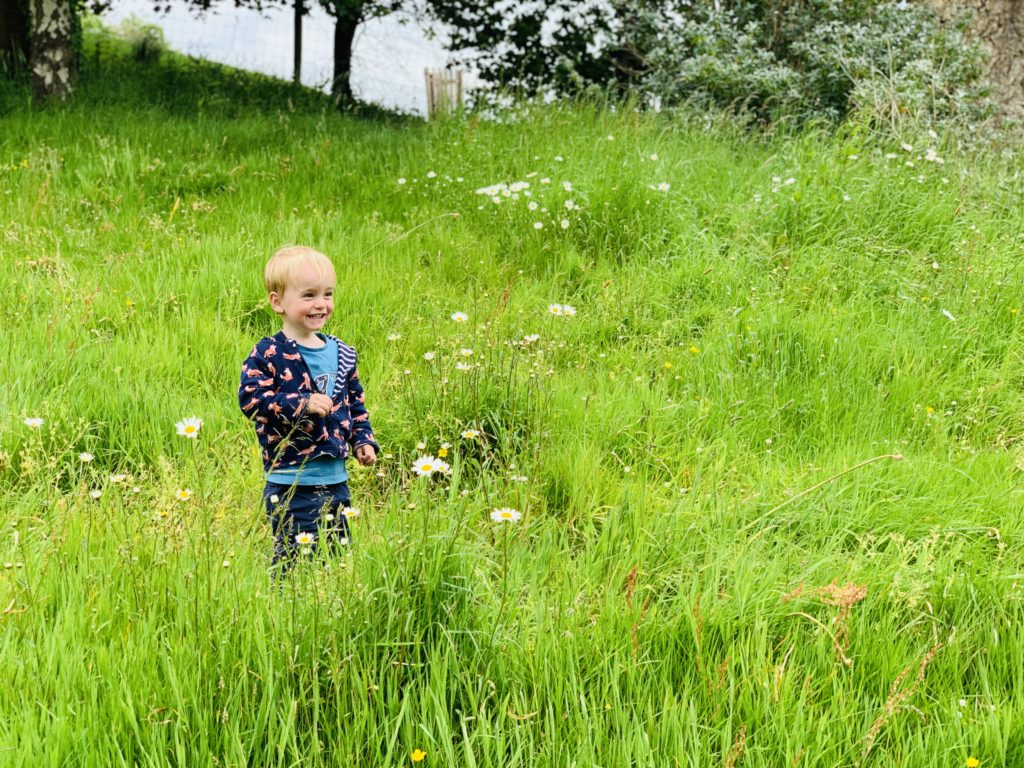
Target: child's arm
[(362, 432), (261, 400)]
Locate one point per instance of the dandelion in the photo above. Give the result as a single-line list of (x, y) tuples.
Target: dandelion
[(505, 514), (189, 427), (351, 512), (34, 423), (85, 457), (418, 755), (183, 494), (470, 434), (973, 762), (95, 493), (694, 349), (442, 453), (460, 317)]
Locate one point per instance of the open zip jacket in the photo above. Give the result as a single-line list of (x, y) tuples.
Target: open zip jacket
[(274, 392)]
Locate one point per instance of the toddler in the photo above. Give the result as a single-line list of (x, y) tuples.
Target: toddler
[(302, 390)]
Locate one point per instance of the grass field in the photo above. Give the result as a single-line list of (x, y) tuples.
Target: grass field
[(769, 471)]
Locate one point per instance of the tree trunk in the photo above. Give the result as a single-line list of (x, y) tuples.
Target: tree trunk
[(14, 46), (346, 21), (52, 56), (297, 52), (999, 26)]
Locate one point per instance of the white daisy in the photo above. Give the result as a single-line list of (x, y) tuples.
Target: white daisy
[(460, 317), (34, 423), (466, 352), (351, 512), (85, 457), (564, 223), (505, 514), (470, 434), (305, 539), (401, 181), (183, 494), (464, 367), (189, 427), (95, 493), (568, 310), (117, 478), (538, 225), (428, 356), (425, 466), (394, 336), (555, 309)]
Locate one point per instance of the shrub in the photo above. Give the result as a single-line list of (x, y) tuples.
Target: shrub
[(821, 59)]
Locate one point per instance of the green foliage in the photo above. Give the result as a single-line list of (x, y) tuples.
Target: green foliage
[(889, 61)]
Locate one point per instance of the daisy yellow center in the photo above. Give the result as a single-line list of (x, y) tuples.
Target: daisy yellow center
[(190, 429), (506, 515), (426, 467)]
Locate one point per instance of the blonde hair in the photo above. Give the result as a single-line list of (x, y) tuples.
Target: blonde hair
[(280, 270)]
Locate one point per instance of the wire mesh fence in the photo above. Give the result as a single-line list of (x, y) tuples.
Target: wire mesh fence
[(389, 54)]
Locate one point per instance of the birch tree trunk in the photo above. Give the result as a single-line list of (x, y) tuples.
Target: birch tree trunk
[(52, 54), (999, 26)]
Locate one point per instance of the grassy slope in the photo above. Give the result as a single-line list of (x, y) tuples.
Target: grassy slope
[(738, 340)]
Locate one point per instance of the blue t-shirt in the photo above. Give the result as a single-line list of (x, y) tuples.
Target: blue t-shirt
[(324, 470)]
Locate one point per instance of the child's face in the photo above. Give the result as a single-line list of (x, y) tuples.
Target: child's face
[(307, 302)]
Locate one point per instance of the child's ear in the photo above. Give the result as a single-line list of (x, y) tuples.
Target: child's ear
[(275, 302)]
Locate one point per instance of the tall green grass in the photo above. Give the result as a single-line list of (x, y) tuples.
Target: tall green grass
[(791, 307)]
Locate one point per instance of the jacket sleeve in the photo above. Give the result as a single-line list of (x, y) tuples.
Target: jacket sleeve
[(260, 398), (362, 432)]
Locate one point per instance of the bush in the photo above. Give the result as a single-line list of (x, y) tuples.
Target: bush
[(821, 59)]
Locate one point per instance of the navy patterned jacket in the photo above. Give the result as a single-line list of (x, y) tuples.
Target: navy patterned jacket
[(274, 392)]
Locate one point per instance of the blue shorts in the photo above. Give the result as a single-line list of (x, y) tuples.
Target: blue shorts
[(306, 509)]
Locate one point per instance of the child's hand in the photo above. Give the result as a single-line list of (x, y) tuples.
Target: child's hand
[(366, 455), (319, 405)]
